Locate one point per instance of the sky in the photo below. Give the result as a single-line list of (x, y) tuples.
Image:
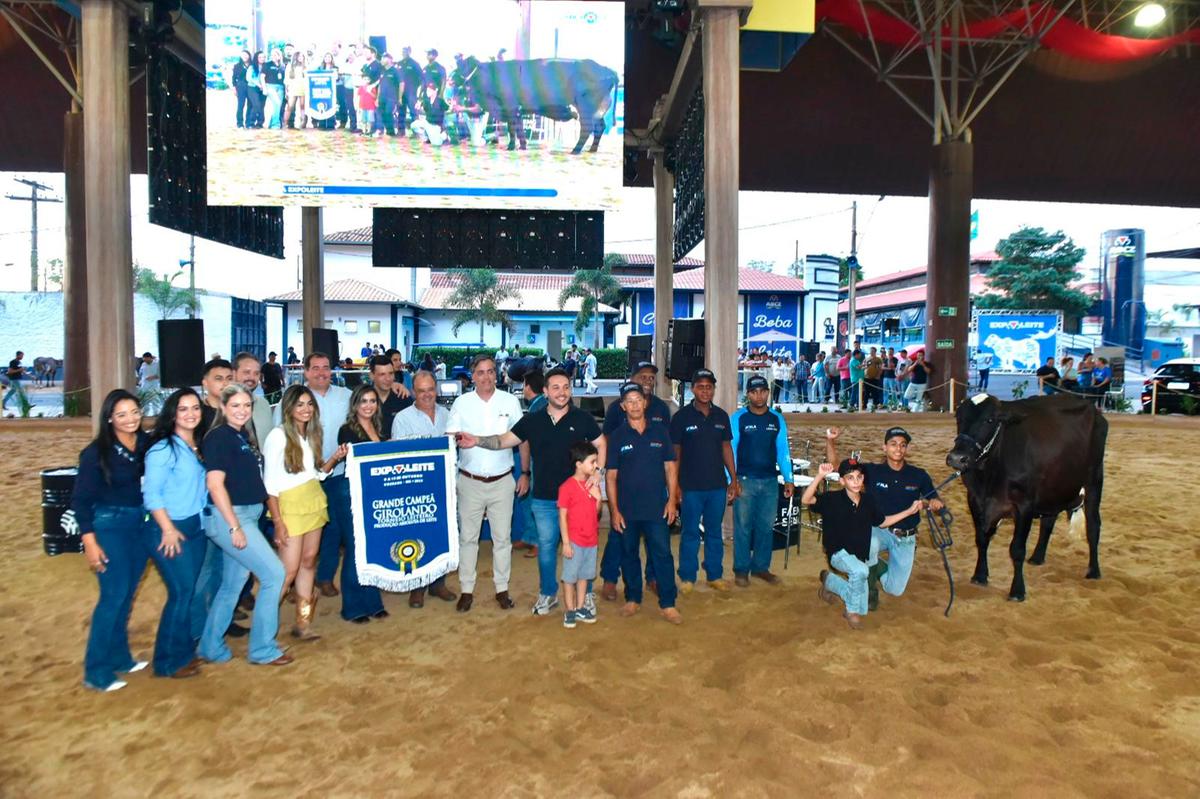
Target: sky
[(892, 233)]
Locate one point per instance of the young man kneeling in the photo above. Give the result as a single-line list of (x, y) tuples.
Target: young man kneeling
[(846, 520)]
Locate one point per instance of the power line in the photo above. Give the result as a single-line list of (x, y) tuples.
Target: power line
[(33, 199), (752, 227)]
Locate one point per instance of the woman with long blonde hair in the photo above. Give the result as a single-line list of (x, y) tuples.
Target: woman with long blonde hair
[(292, 474), (297, 91)]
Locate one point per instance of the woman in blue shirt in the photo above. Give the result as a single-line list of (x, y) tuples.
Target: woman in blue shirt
[(175, 493), (236, 488), (107, 503)]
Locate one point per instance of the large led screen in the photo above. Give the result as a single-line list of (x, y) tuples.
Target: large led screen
[(421, 103)]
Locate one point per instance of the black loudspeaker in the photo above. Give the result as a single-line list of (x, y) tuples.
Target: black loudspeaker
[(326, 341), (415, 237), (180, 352), (379, 43), (558, 229), (685, 340), (640, 348), (475, 242), (504, 238), (445, 233), (531, 232), (809, 350), (589, 239)]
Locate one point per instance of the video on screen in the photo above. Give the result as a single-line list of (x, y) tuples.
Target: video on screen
[(448, 104)]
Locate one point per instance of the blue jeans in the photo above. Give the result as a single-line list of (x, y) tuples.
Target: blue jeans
[(853, 591), (545, 518), (658, 552), (818, 389), (901, 552), (334, 534), (174, 647), (890, 390), (753, 520), (613, 557), (274, 105), (14, 386), (207, 581), (358, 600), (256, 558), (709, 506), (119, 533)]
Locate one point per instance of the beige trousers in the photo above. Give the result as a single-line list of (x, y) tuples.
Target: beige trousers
[(474, 500)]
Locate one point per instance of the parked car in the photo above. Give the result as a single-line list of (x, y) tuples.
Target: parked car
[(1177, 380)]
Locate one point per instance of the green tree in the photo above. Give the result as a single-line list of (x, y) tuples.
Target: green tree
[(1036, 270), (796, 268), (761, 266), (162, 291), (844, 272), (593, 287), (478, 297), (53, 275)]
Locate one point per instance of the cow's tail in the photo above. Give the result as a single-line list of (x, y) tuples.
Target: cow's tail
[(1078, 525)]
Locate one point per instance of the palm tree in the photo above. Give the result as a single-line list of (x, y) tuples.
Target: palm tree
[(478, 296), (593, 286)]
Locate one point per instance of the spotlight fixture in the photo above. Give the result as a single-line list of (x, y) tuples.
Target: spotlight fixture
[(1150, 15)]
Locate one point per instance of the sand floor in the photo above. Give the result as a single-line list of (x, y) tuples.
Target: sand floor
[(1088, 689)]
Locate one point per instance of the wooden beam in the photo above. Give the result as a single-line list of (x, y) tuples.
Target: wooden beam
[(683, 86), (312, 246), (664, 266), (76, 374)]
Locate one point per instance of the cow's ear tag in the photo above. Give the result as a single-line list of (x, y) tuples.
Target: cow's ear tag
[(979, 398)]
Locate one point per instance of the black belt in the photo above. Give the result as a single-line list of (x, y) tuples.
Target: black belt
[(900, 533), (482, 479)]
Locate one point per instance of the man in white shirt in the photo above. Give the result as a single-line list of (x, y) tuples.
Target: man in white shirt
[(423, 419), (148, 373), (334, 404), (485, 483), (589, 373)]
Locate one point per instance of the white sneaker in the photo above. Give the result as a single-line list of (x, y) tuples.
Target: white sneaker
[(115, 685), (589, 603), (138, 666), (544, 605)]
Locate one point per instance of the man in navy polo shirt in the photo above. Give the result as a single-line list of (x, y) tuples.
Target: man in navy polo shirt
[(644, 374), (641, 492), (893, 484), (701, 434), (759, 446)]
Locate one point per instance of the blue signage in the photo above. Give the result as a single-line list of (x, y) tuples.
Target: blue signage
[(643, 323), (1018, 342), (322, 93), (773, 321)]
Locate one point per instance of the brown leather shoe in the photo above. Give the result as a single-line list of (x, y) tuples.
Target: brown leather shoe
[(521, 545), (531, 552), (282, 660), (190, 670), (609, 592), (505, 601), (767, 577), (464, 602), (416, 599), (440, 591), (327, 588), (741, 580)]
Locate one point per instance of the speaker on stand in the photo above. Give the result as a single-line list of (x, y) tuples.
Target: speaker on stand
[(180, 352), (326, 341), (685, 344)]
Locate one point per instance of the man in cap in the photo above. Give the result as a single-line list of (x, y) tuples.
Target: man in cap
[(702, 437), (644, 375), (642, 486), (434, 72), (760, 446), (894, 485)]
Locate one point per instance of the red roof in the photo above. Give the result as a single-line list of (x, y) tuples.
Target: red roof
[(914, 295), (348, 290), (892, 277), (748, 280)]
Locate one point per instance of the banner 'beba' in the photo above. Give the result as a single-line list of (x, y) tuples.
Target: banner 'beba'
[(405, 514)]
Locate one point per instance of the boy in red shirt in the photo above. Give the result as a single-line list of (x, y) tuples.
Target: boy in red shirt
[(578, 514)]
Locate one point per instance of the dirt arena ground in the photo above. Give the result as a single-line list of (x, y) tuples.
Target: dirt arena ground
[(1088, 689)]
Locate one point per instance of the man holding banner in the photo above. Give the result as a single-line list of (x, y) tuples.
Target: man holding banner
[(485, 483), (550, 433)]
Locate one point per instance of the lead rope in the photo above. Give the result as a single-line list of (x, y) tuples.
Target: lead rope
[(939, 532)]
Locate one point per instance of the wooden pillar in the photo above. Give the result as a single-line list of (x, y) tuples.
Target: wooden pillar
[(721, 180), (664, 266), (105, 67), (312, 244), (76, 375), (947, 306)]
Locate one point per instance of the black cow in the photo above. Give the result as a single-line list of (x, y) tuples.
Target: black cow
[(1027, 460), (558, 88)]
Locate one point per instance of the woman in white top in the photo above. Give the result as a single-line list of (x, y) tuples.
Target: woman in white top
[(296, 83), (292, 476)]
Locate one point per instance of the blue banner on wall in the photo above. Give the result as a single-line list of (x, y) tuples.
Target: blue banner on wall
[(773, 321), (405, 514), (322, 93), (644, 321), (1019, 342)]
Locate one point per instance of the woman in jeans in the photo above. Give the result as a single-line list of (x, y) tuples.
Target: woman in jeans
[(107, 503), (292, 476), (254, 91), (236, 488), (175, 494), (360, 603)]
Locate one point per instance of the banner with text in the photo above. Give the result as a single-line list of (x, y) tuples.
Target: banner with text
[(1019, 341), (773, 321), (643, 322), (405, 514)]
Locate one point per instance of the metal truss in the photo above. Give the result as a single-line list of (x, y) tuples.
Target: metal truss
[(62, 32)]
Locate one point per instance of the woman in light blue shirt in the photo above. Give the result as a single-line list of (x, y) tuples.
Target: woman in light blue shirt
[(175, 493)]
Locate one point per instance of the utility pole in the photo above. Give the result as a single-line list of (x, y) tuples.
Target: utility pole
[(191, 264), (852, 273), (33, 199)]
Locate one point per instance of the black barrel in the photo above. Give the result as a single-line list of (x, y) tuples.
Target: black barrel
[(60, 533)]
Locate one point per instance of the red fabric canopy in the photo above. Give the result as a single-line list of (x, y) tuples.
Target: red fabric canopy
[(1065, 36)]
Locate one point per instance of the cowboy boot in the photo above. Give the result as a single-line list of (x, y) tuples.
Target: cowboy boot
[(306, 610)]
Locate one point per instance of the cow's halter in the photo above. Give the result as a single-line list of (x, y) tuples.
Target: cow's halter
[(985, 449)]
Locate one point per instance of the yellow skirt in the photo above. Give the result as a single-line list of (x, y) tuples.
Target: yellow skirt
[(304, 508)]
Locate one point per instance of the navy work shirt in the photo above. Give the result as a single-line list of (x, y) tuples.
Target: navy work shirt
[(641, 478), (760, 444), (895, 489), (701, 441), (122, 490), (656, 411), (229, 451), (550, 445)]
